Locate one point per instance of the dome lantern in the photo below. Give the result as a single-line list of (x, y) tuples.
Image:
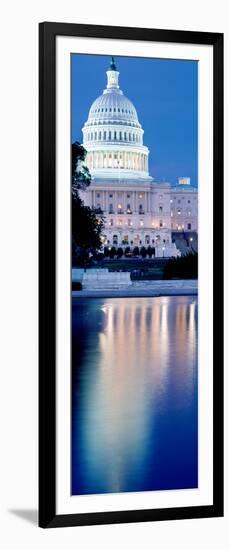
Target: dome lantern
[(112, 78)]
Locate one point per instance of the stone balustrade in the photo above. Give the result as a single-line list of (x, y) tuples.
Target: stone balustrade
[(103, 279)]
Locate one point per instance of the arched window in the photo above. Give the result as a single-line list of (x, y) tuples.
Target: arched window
[(147, 239), (104, 135)]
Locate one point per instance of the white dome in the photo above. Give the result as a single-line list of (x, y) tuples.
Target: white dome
[(113, 107), (113, 136)]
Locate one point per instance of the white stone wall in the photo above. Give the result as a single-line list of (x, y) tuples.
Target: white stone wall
[(143, 213), (184, 209)]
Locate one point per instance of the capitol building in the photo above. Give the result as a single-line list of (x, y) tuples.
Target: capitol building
[(138, 211)]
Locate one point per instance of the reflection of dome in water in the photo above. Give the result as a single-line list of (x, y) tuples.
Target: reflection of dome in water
[(112, 134)]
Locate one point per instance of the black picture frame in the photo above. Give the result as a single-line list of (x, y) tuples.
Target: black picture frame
[(47, 274)]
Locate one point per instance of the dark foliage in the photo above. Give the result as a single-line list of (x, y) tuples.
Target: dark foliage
[(136, 251), (87, 226), (185, 267), (120, 252), (112, 252), (87, 223), (143, 251), (77, 285), (81, 177)]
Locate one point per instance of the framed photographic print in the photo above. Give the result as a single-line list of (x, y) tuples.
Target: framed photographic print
[(131, 275)]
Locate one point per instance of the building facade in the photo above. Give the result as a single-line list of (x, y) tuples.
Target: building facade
[(138, 211)]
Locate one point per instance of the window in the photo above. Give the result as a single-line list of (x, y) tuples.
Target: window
[(115, 134), (128, 209), (161, 223), (109, 135), (98, 195), (120, 136), (140, 209), (129, 223), (111, 211), (179, 211), (141, 223), (189, 201), (115, 239), (160, 208), (104, 135), (128, 196), (111, 196), (189, 226), (98, 206), (129, 137), (178, 201), (125, 136), (100, 135), (112, 222)]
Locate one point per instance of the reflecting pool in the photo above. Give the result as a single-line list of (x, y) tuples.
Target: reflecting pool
[(134, 394)]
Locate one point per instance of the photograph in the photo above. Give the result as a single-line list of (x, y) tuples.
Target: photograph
[(134, 250)]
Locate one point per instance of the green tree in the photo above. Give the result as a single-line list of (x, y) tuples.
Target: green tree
[(87, 223), (185, 267), (81, 177), (143, 251), (136, 251), (112, 252)]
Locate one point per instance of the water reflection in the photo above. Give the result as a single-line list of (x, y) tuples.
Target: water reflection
[(134, 418)]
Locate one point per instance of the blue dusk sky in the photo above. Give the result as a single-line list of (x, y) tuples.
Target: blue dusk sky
[(165, 95)]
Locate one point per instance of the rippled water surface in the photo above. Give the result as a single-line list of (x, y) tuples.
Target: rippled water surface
[(134, 394)]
